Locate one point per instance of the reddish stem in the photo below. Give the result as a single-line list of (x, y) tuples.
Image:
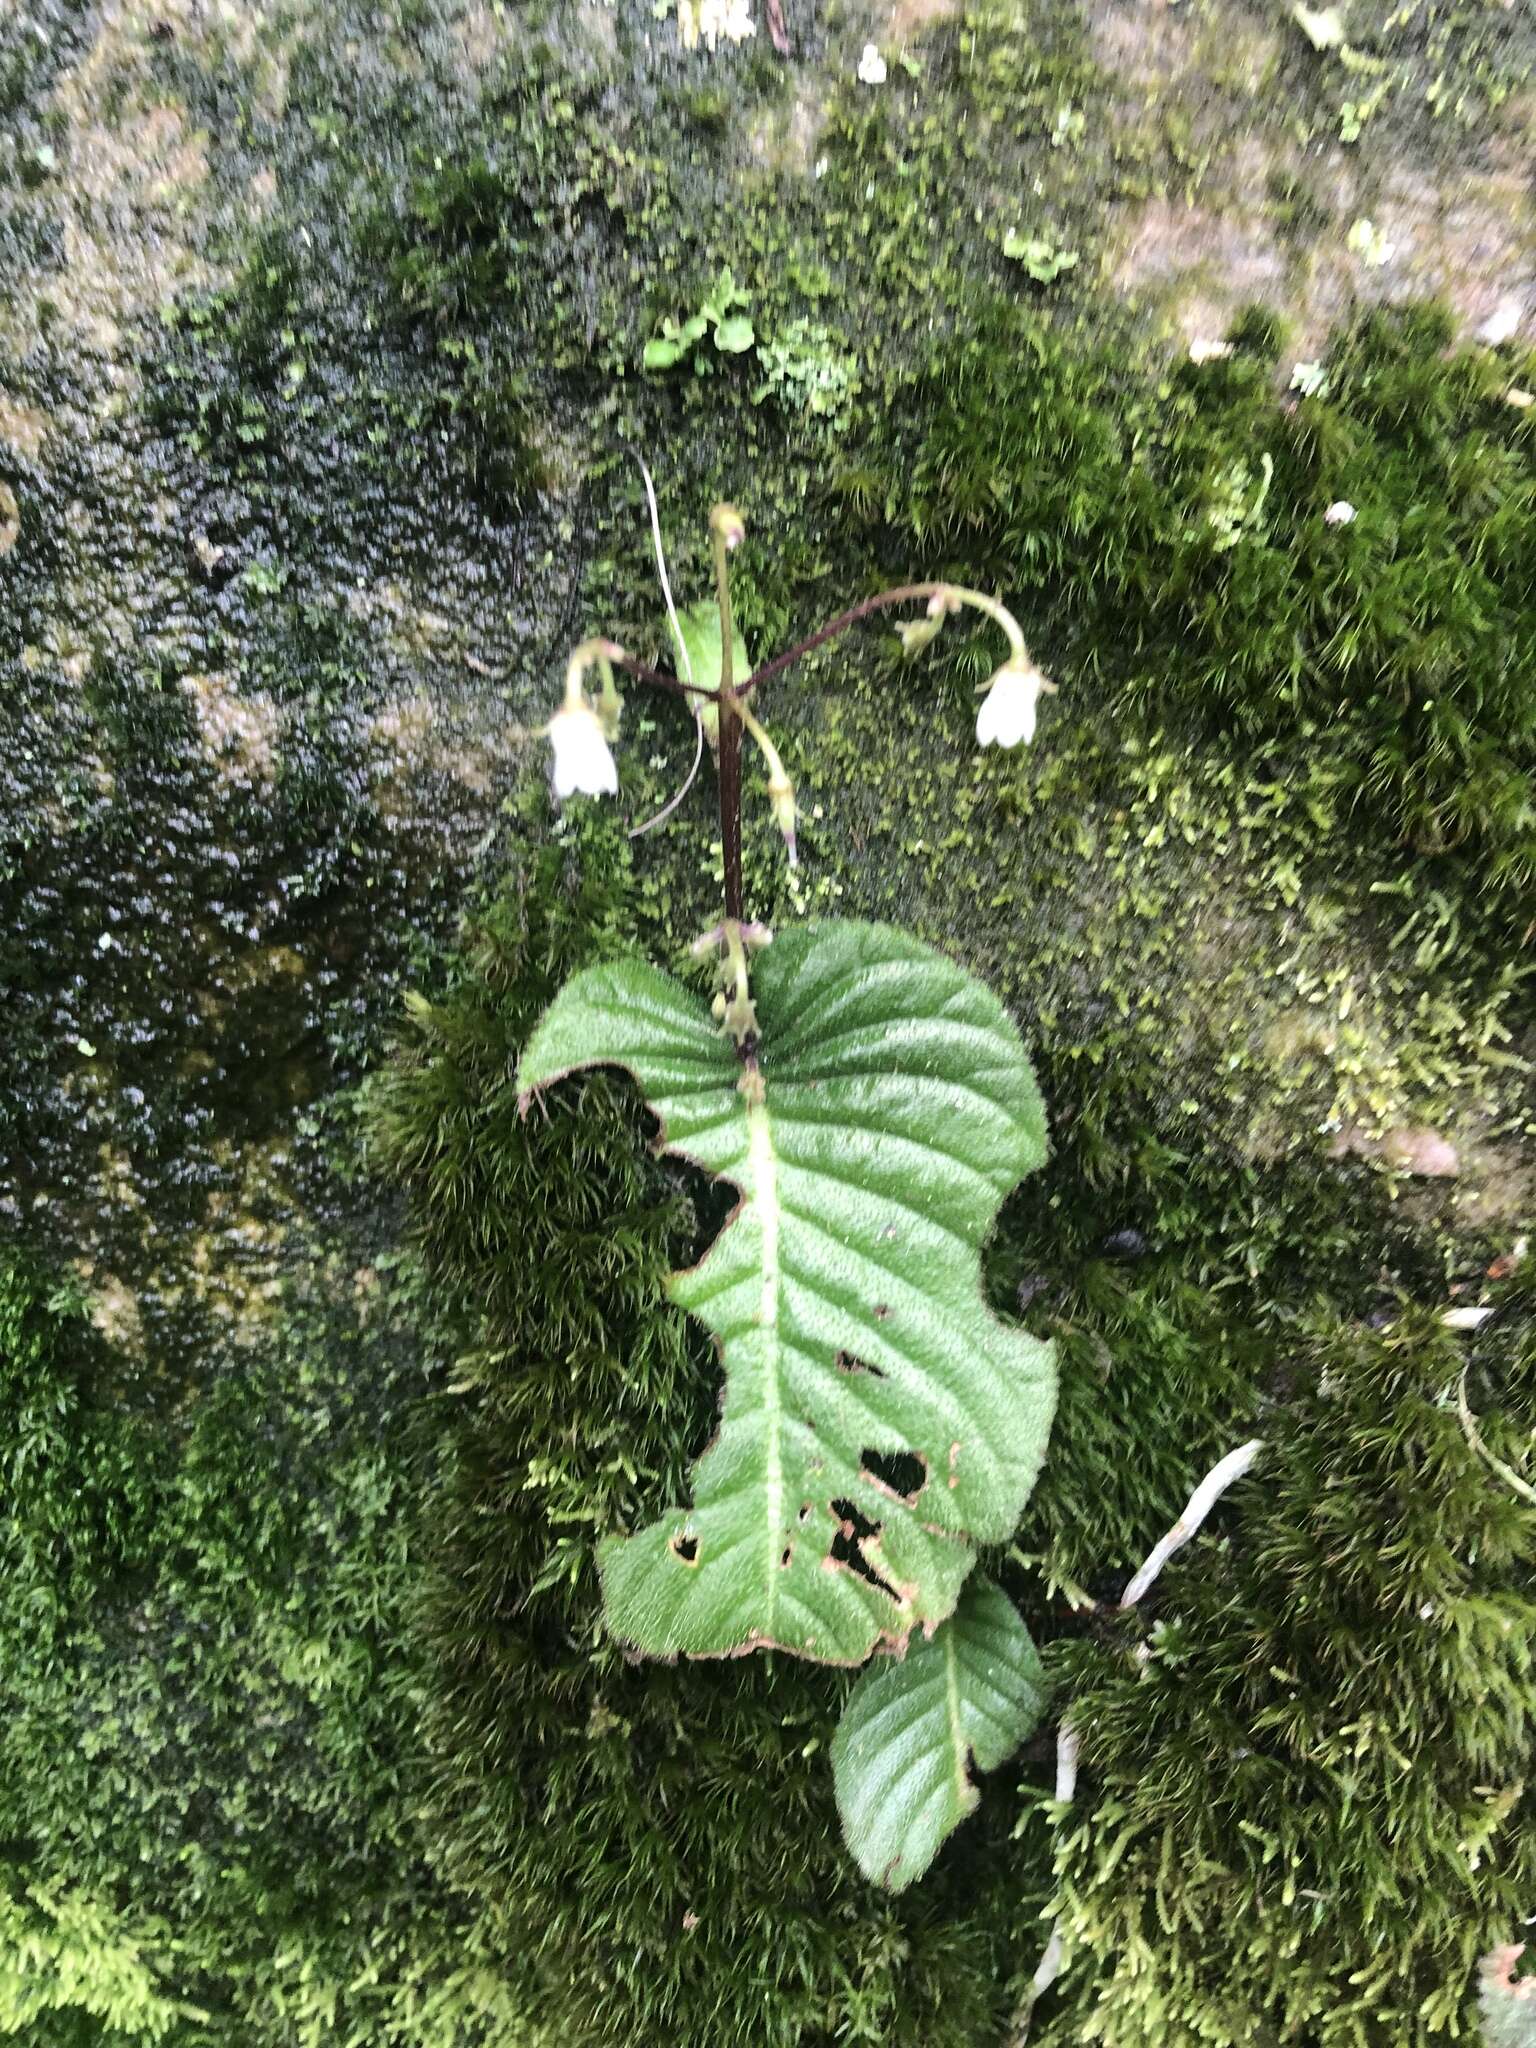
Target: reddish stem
[(905, 595), (729, 763), (642, 674), (728, 774)]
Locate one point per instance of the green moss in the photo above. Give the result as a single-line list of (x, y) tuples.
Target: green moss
[(678, 1870), (1195, 1298), (1158, 560), (1257, 884), (206, 1795), (1307, 1810)]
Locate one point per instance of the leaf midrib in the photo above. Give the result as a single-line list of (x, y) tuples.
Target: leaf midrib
[(764, 1165)]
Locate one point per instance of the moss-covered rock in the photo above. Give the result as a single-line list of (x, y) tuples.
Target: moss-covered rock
[(1334, 1715), (321, 382)]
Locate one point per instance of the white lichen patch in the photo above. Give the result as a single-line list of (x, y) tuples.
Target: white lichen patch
[(239, 733), (786, 132), (1214, 262), (235, 1266), (23, 428), (114, 1310), (417, 745), (125, 203), (1310, 229), (1411, 1148), (909, 17), (406, 628), (128, 201)]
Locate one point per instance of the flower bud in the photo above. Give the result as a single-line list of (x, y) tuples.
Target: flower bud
[(917, 634), (729, 524), (740, 1020), (781, 796)]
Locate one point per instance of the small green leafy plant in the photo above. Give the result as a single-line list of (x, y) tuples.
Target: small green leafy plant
[(1039, 256), (807, 372), (732, 330), (873, 1106)]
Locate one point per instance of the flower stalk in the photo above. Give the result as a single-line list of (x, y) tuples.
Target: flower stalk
[(726, 532), (733, 1009), (582, 736), (781, 791)]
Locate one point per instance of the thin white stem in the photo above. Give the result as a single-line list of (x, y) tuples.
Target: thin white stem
[(662, 577), (1049, 1968), (1068, 1743), (1474, 1437), (1199, 1505), (660, 817)]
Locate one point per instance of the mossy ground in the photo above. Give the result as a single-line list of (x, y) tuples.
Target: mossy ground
[(321, 376)]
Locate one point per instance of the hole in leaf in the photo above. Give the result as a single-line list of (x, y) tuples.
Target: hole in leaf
[(900, 1472), (789, 1551), (805, 1512), (882, 1311), (846, 1362), (686, 1549), (845, 1549)]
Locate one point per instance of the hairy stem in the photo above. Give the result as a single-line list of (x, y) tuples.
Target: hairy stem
[(906, 593), (642, 674), (729, 777), (729, 765)]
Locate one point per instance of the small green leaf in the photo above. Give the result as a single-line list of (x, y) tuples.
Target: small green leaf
[(726, 293), (660, 354), (700, 625), (911, 1728), (734, 335), (878, 1420), (701, 637), (1042, 259)]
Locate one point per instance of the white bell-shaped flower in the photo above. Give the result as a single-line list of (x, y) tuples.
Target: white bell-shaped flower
[(1007, 714), (584, 763)]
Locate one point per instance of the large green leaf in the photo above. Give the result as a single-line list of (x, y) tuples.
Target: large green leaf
[(877, 1419), (911, 1729)]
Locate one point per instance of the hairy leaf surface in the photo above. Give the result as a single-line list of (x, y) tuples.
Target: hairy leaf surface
[(911, 1729), (877, 1419)]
